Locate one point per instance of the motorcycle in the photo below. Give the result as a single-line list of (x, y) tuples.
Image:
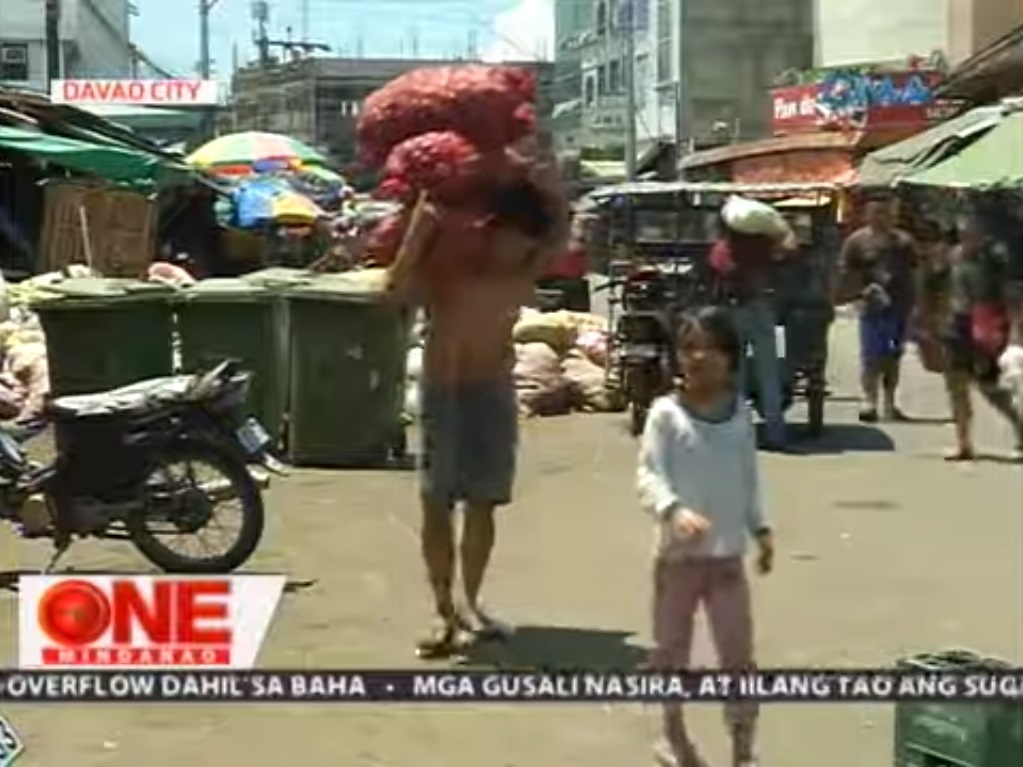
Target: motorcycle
[(125, 469), (643, 337)]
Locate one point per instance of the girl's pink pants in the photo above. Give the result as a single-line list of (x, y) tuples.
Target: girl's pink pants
[(681, 586)]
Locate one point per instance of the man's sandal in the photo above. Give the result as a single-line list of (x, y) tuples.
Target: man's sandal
[(960, 455), (443, 642), (484, 626)]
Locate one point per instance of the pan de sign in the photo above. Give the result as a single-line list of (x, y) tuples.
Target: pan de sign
[(165, 93)]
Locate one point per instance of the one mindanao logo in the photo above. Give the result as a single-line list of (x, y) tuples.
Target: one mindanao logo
[(150, 622), (11, 744)]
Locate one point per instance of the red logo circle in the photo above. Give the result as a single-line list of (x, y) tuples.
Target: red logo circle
[(74, 613)]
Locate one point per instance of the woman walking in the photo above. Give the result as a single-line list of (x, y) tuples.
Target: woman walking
[(979, 329)]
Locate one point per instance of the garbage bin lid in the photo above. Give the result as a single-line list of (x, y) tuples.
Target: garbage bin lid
[(225, 289), (351, 287), (78, 291), (279, 276)]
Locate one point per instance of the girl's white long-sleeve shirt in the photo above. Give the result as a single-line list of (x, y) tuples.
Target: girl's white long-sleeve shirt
[(709, 467)]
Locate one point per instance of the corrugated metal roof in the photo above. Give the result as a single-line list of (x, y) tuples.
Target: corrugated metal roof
[(999, 58), (886, 166), (795, 142)]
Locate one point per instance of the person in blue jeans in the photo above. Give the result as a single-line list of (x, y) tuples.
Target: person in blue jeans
[(744, 266)]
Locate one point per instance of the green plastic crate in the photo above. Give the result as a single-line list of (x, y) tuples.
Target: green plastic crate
[(221, 319), (348, 349), (957, 734), (106, 333)]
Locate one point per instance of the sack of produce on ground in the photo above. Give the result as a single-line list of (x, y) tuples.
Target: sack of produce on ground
[(447, 166), (492, 106), (28, 365), (554, 329), (541, 388), (592, 344), (12, 397), (584, 322), (588, 383)]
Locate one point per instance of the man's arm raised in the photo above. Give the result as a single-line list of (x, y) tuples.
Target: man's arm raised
[(403, 275)]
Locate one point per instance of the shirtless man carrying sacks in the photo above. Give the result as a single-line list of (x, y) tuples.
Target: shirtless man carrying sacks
[(469, 412)]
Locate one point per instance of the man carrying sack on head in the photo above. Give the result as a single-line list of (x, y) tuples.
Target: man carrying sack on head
[(469, 411)]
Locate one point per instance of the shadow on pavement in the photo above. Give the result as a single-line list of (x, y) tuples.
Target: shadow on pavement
[(844, 438), (558, 648)]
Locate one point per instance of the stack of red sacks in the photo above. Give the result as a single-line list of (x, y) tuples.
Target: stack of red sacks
[(446, 132)]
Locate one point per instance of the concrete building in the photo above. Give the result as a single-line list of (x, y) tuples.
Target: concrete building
[(702, 70), (863, 31), (573, 22), (94, 34), (318, 100)]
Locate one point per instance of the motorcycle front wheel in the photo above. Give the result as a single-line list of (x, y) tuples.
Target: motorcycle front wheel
[(181, 507)]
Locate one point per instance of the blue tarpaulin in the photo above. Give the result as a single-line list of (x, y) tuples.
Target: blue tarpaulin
[(254, 201)]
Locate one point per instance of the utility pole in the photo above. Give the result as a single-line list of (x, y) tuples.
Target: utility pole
[(629, 30), (681, 92), (52, 26), (205, 62)]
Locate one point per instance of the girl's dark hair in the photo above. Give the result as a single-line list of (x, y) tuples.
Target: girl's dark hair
[(718, 325), (523, 206)]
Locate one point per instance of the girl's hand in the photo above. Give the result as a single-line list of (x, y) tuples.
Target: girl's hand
[(688, 524), (765, 553)]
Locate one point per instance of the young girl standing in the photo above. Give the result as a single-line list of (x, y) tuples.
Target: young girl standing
[(698, 476)]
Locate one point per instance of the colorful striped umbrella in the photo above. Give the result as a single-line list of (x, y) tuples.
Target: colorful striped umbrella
[(246, 149)]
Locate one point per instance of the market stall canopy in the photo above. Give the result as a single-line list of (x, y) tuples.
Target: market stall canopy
[(103, 160), (242, 150), (992, 161), (824, 157), (886, 167)]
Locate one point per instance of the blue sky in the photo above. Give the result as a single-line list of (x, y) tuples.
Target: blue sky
[(169, 31)]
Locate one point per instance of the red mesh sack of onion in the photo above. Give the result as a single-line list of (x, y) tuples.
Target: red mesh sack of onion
[(446, 166), (490, 105)]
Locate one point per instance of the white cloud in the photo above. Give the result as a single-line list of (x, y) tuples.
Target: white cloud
[(523, 33)]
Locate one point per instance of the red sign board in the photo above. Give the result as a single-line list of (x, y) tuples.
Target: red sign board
[(855, 100)]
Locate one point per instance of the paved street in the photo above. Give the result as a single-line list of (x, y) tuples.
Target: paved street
[(884, 550)]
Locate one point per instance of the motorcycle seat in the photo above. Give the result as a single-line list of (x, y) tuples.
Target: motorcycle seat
[(133, 398)]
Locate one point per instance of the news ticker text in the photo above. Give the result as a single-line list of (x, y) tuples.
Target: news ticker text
[(796, 686)]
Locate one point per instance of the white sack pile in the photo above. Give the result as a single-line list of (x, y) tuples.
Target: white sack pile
[(559, 364), (569, 376)]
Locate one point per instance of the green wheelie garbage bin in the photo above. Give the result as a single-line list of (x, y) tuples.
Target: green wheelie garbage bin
[(231, 318), (105, 333), (957, 734), (348, 347)]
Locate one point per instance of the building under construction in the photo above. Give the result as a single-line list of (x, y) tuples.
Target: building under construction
[(317, 99)]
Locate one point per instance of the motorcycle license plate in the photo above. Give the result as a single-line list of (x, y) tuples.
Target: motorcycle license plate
[(642, 351), (253, 437)]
